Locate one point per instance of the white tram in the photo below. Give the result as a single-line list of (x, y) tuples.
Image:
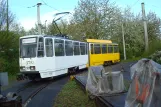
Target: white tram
[(43, 56)]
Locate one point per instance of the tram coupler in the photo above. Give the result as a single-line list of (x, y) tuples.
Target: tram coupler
[(10, 100), (21, 76)]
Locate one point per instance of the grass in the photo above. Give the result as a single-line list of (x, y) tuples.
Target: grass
[(73, 96), (12, 78), (152, 50), (133, 59)]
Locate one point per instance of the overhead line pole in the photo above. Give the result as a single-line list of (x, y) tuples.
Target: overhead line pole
[(123, 40), (45, 26), (145, 27), (7, 19), (38, 18)]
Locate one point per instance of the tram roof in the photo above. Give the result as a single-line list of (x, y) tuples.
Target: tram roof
[(30, 36), (53, 36), (58, 36), (98, 41)]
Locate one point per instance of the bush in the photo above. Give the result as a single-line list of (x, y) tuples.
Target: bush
[(12, 66), (9, 52), (2, 65), (156, 57)]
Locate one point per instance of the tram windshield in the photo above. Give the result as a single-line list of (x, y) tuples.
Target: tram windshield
[(28, 47)]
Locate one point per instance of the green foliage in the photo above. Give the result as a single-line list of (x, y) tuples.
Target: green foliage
[(33, 31), (9, 54), (9, 41), (156, 57), (154, 52), (2, 64), (100, 19), (154, 46), (94, 18), (11, 67), (72, 96), (3, 16), (134, 34)]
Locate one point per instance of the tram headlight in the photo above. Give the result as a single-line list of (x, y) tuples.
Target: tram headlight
[(22, 67), (32, 67)]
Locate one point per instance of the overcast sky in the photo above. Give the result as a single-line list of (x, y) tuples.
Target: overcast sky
[(26, 15)]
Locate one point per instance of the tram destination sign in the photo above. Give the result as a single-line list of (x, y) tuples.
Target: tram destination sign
[(29, 40)]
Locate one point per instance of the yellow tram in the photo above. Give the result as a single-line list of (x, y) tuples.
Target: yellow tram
[(102, 52)]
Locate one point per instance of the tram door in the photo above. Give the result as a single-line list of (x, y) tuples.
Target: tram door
[(49, 55)]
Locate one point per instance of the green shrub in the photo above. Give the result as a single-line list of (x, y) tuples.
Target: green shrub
[(2, 64), (11, 66), (156, 57), (9, 46)]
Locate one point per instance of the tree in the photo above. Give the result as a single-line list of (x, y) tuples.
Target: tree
[(60, 27), (100, 19), (153, 24), (9, 41), (134, 32), (9, 52), (95, 19), (33, 31), (3, 16), (52, 29), (17, 29)]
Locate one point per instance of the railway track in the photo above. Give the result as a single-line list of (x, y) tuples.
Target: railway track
[(33, 94), (24, 87), (31, 89)]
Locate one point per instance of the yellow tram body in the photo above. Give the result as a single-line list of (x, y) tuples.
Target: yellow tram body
[(102, 52)]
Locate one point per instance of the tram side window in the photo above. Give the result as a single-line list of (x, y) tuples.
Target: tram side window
[(41, 47), (91, 45), (76, 48), (97, 49), (49, 47), (59, 47), (110, 49), (86, 48), (68, 48), (104, 48), (82, 48), (116, 49)]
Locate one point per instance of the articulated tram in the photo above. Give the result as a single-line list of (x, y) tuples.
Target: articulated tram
[(43, 56)]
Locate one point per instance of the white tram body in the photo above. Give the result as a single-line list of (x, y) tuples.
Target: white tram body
[(48, 56)]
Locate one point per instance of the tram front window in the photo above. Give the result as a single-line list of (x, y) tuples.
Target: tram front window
[(28, 48)]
